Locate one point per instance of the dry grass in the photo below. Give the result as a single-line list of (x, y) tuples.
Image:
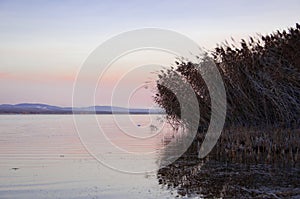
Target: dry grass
[(254, 146)]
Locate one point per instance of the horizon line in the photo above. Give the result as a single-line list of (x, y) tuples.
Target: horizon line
[(41, 103)]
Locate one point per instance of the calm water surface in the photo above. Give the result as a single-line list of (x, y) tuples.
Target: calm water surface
[(41, 156)]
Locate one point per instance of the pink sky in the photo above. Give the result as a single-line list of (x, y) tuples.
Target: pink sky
[(44, 43)]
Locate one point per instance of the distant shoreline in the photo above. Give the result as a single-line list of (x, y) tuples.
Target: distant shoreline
[(82, 113), (45, 109)]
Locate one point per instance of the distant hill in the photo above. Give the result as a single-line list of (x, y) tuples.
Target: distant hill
[(28, 108)]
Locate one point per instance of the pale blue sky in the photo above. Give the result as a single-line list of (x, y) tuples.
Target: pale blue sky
[(43, 43)]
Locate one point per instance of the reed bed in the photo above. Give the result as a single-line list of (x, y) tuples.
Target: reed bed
[(257, 154), (261, 78), (278, 147), (262, 81)]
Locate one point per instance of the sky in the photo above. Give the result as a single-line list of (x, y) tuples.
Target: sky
[(43, 44)]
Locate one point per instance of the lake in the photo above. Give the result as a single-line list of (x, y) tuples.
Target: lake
[(43, 156)]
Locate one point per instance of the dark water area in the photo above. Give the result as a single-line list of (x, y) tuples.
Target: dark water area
[(214, 179), (244, 163)]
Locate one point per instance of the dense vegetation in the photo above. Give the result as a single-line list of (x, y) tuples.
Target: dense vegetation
[(261, 77), (258, 152), (262, 83)]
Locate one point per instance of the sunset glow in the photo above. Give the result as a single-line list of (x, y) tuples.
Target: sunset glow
[(44, 43)]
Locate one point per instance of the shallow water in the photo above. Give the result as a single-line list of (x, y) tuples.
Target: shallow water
[(41, 156)]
